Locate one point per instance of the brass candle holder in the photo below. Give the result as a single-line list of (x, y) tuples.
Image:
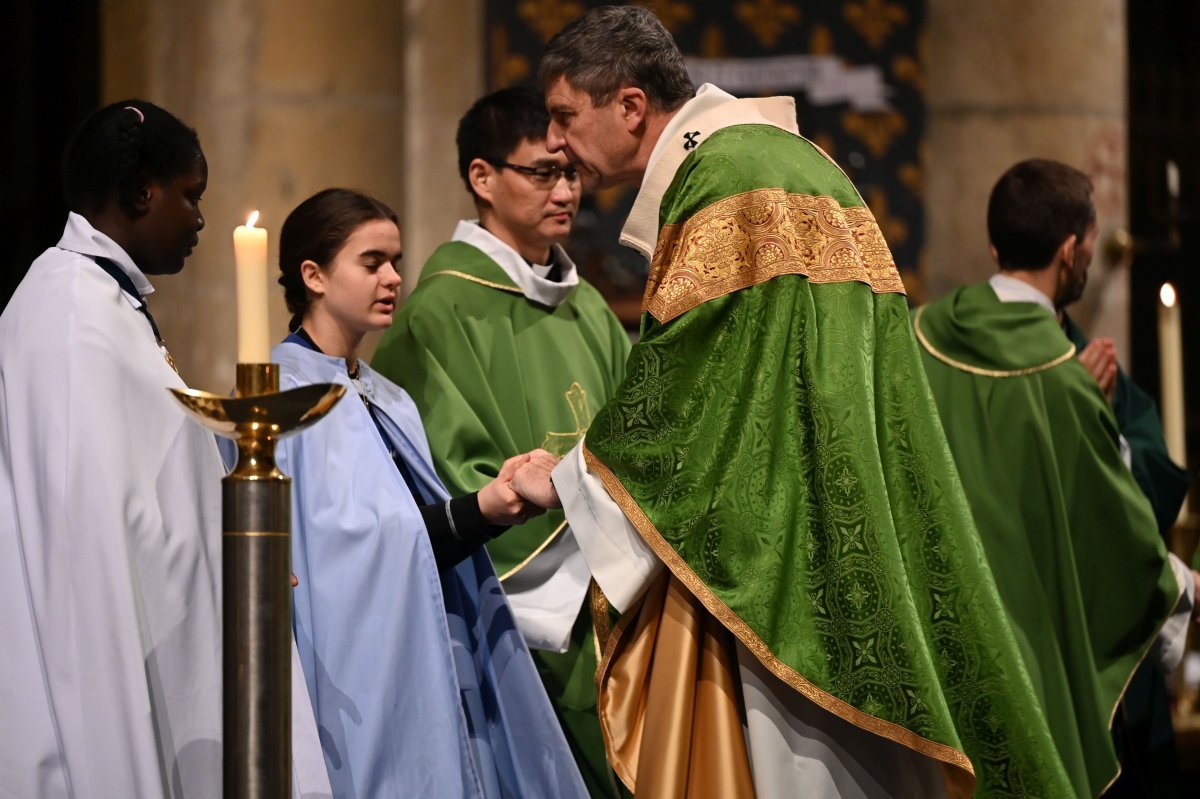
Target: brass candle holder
[(256, 571)]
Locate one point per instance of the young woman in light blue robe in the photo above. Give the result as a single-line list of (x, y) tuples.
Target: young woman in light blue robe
[(420, 682)]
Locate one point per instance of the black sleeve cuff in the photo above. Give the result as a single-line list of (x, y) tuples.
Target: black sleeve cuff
[(456, 529)]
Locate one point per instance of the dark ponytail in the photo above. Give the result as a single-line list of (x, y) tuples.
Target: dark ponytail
[(121, 147), (315, 231)]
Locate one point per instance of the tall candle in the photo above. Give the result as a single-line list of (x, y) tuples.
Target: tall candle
[(250, 254), (1170, 359)]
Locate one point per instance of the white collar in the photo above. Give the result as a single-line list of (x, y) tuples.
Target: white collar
[(532, 285), (1010, 289), (709, 111), (80, 237)]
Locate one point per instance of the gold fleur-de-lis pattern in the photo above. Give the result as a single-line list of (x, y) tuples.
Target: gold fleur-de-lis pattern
[(879, 150), (673, 14), (548, 17), (875, 20), (768, 20)]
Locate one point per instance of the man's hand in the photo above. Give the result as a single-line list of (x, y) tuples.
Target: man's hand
[(532, 480), (499, 503), (1099, 357)]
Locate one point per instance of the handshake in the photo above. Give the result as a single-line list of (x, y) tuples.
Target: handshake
[(521, 491)]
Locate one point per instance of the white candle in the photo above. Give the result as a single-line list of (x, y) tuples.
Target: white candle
[(1170, 359), (250, 253)]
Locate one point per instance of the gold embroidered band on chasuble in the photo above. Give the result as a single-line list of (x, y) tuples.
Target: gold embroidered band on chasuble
[(750, 238)]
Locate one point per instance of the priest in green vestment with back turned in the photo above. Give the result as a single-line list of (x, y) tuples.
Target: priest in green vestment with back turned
[(1072, 539), (504, 348), (768, 498)]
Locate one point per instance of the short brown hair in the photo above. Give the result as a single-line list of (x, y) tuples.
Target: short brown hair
[(1033, 208)]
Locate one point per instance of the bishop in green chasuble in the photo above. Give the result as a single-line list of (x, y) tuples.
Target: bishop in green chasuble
[(1071, 539), (496, 369), (775, 444)]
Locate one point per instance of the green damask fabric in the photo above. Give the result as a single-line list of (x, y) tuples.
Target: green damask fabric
[(1146, 746), (495, 374), (1162, 480), (1072, 540), (783, 441), (492, 374)]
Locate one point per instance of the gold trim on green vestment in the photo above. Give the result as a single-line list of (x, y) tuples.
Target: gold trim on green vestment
[(978, 370), (758, 235), (680, 569), (562, 526), (473, 279), (1121, 696)]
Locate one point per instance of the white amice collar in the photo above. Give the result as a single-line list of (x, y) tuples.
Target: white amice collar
[(80, 237), (1010, 289), (709, 111), (533, 285)]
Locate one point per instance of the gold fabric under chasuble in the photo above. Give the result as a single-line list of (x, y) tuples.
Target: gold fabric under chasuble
[(669, 700)]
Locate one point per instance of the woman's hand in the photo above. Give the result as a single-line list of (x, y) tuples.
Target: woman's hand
[(500, 504), (532, 480)]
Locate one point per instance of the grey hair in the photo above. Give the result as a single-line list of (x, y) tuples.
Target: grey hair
[(615, 46)]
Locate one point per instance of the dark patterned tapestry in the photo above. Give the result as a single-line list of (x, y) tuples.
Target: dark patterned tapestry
[(854, 67)]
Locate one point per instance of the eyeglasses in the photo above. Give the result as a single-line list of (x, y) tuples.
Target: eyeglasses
[(546, 176)]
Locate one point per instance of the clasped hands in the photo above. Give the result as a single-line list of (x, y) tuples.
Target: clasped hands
[(522, 489), (1099, 357)]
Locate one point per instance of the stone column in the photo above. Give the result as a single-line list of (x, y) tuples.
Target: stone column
[(291, 98), (1015, 80), (444, 75)]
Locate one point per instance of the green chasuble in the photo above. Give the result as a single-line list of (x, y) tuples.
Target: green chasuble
[(1164, 482), (495, 374), (1071, 539), (1146, 745), (775, 442)]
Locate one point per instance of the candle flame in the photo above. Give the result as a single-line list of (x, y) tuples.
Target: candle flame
[(1167, 295), (250, 220)]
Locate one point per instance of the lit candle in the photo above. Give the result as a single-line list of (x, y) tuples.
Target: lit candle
[(1170, 358), (250, 253)]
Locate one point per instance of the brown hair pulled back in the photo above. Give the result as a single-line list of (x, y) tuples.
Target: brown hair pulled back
[(315, 231)]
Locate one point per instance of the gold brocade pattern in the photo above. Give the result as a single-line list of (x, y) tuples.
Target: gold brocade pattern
[(751, 238), (959, 778)]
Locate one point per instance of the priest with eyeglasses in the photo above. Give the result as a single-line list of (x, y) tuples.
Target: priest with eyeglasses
[(505, 348)]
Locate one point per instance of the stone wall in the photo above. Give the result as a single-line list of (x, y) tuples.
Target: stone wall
[(290, 98), (1015, 80)]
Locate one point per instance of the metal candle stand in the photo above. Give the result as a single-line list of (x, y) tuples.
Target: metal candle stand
[(256, 571)]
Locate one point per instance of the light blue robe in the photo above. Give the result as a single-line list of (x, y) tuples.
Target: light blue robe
[(421, 686)]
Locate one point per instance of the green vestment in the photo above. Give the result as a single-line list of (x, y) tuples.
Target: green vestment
[(1070, 537), (1146, 744), (1164, 482), (495, 374), (775, 442)]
